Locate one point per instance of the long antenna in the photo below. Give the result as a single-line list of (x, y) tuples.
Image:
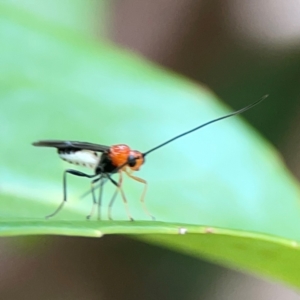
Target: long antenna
[(207, 123)]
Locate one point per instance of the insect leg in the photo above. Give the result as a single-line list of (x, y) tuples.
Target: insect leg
[(111, 202), (143, 194), (73, 172), (119, 186), (100, 198), (94, 198)]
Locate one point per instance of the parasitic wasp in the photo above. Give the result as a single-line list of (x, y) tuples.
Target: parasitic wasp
[(109, 160)]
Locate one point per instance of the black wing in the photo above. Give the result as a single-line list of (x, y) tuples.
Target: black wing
[(62, 145)]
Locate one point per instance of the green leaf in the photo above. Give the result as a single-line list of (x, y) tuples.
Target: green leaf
[(80, 15), (56, 84)]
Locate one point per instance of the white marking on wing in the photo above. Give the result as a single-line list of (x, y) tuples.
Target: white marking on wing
[(84, 158)]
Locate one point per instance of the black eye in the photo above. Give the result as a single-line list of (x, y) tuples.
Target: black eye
[(131, 160)]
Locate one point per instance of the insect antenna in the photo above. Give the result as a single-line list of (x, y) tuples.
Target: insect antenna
[(207, 123), (183, 134)]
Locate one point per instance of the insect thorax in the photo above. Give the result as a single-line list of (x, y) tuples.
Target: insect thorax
[(105, 165)]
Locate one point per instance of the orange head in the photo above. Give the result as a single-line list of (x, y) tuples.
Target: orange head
[(122, 154), (135, 160)]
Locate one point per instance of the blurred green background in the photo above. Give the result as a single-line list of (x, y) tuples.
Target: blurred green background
[(241, 51)]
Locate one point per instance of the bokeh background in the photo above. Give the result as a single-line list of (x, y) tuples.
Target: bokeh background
[(239, 49)]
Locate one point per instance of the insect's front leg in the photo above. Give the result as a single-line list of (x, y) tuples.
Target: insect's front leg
[(119, 187), (142, 199)]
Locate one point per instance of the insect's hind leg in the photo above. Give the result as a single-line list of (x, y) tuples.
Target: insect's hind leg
[(142, 199), (73, 172), (119, 186)]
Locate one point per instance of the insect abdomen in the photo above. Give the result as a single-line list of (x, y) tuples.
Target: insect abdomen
[(85, 158)]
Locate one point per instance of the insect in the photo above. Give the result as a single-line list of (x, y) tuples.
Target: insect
[(109, 160)]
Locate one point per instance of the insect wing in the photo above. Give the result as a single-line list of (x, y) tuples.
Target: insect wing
[(71, 145)]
